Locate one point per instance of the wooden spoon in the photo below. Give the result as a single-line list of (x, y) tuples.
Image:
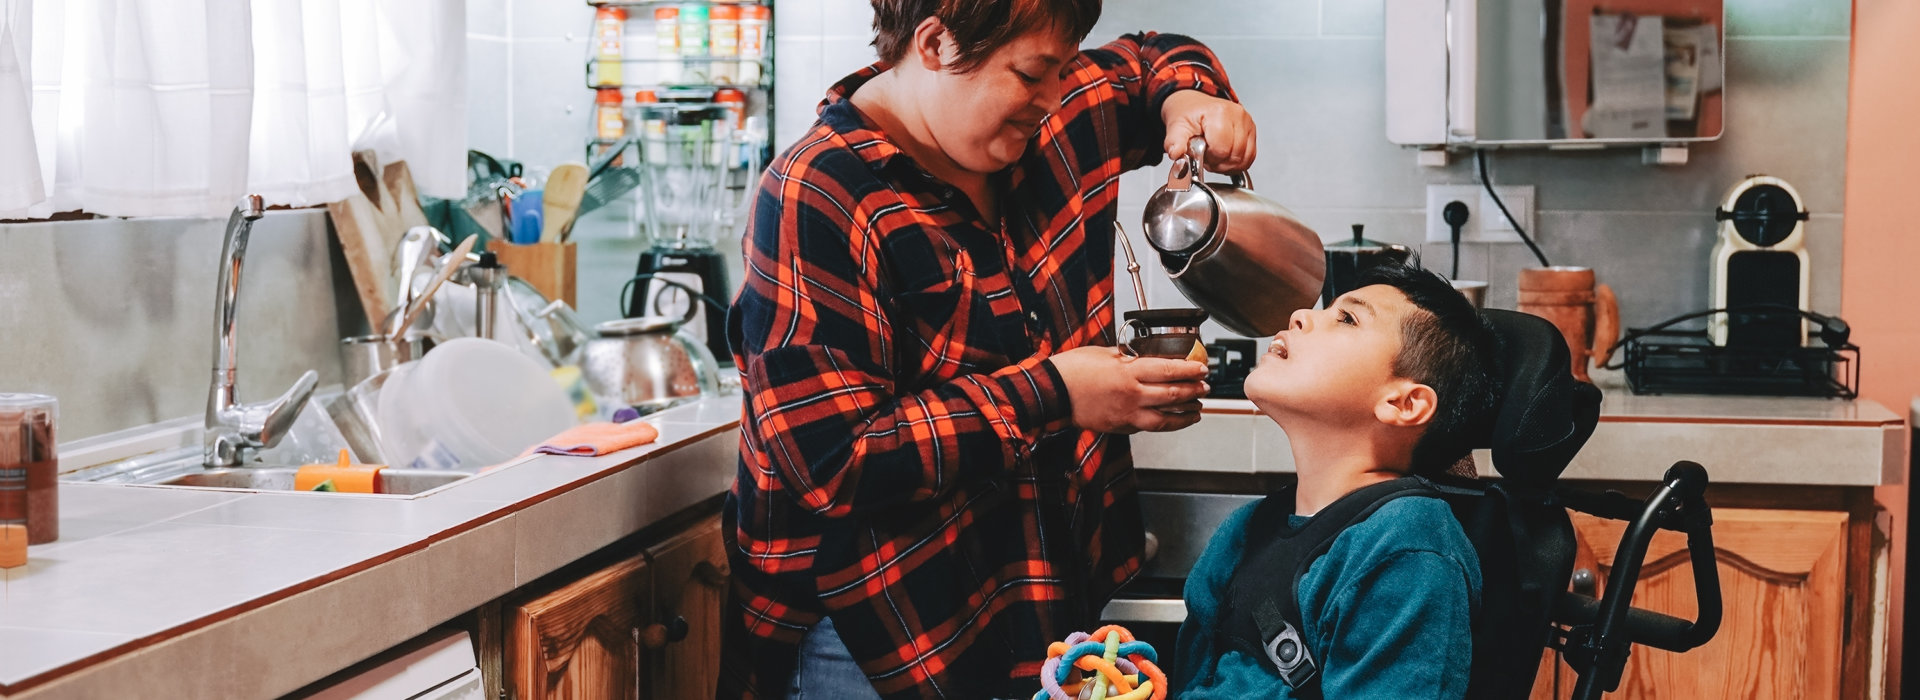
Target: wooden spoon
[(561, 200)]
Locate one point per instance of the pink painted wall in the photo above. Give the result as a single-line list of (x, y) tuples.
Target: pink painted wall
[(1880, 283)]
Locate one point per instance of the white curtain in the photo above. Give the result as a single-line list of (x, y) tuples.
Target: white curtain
[(178, 107), (20, 181)]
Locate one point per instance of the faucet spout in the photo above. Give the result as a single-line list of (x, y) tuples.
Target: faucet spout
[(234, 428)]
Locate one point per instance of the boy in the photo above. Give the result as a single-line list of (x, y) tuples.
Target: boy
[(1388, 382)]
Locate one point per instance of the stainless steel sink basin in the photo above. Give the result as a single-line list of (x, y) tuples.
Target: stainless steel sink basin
[(404, 482), (181, 467)]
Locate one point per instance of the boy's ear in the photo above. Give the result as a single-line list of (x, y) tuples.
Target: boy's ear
[(1408, 404)]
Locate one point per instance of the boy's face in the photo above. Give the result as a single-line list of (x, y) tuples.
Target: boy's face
[(1334, 362)]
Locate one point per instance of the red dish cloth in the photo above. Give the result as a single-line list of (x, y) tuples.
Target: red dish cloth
[(595, 439)]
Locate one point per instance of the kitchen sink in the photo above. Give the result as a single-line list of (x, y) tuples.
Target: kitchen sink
[(403, 482), (181, 468)]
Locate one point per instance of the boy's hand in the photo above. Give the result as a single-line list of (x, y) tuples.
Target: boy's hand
[(1225, 125), (1114, 393)]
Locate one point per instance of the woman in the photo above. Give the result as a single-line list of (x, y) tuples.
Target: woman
[(933, 481)]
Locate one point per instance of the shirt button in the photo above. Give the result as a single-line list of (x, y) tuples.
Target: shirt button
[(1034, 317)]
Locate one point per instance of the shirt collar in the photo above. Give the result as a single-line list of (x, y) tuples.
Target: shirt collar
[(861, 134)]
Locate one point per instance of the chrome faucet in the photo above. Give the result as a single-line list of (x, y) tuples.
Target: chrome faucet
[(235, 429)]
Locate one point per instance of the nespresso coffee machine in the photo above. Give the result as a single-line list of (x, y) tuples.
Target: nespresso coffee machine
[(1760, 263)]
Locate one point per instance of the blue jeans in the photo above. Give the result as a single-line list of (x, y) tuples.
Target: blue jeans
[(827, 670)]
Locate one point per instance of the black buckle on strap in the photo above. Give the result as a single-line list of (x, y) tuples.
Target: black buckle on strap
[(1289, 654)]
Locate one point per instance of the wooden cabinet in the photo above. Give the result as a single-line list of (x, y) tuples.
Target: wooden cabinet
[(690, 587), (644, 627), (582, 640), (1783, 583)]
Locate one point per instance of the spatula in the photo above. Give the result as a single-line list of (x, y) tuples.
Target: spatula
[(561, 201)]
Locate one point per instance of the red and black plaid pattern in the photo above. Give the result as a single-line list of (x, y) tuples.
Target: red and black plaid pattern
[(907, 463)]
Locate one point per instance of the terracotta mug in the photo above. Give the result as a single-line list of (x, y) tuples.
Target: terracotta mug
[(1585, 312)]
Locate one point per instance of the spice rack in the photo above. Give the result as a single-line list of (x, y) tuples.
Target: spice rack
[(647, 58)]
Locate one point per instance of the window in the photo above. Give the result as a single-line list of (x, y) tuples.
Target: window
[(178, 107)]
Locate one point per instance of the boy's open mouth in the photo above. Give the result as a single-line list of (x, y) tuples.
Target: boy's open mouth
[(1278, 347)]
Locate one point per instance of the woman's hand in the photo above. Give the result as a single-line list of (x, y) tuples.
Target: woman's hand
[(1224, 124), (1114, 393)]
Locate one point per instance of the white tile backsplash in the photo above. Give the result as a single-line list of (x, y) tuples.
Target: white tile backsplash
[(487, 18), (570, 20), (1311, 73), (489, 91)]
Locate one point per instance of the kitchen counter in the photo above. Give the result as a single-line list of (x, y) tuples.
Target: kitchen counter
[(214, 593), (1739, 439), (221, 593)]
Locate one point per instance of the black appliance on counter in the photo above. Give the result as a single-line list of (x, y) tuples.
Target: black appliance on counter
[(1347, 259), (1229, 361), (700, 269)]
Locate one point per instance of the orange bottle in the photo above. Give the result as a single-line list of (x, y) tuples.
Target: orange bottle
[(608, 122), (609, 28)]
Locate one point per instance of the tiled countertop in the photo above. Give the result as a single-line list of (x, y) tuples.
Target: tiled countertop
[(214, 593), (218, 593), (1756, 440)]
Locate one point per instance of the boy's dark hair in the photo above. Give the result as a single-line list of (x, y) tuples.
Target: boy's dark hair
[(979, 26), (1446, 346)]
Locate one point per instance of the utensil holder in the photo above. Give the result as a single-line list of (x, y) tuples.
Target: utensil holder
[(549, 267)]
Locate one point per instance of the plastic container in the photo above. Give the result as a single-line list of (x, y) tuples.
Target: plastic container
[(471, 404), (651, 122), (666, 36), (735, 102), (754, 20), (723, 42), (609, 123), (30, 465), (609, 31), (694, 36)]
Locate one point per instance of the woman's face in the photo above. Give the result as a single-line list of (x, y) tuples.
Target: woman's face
[(982, 119)]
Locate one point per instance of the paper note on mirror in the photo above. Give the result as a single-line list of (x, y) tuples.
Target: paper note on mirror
[(1683, 72), (1629, 78)]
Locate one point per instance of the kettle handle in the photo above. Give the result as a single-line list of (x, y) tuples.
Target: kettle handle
[(1197, 157), (694, 297)]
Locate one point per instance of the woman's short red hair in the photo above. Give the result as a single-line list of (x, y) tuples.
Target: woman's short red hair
[(980, 27)]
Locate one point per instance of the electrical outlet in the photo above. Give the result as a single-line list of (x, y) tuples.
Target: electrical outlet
[(1485, 223)]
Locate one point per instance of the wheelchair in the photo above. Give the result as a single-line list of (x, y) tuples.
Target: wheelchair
[(1519, 525)]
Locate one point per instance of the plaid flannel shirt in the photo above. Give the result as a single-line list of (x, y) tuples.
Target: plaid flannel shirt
[(907, 462)]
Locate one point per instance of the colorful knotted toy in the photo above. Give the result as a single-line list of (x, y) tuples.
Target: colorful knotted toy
[(1112, 666)]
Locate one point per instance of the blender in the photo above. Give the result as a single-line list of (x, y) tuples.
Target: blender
[(695, 176)]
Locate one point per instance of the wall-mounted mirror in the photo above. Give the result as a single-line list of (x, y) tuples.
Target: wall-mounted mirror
[(1557, 73)]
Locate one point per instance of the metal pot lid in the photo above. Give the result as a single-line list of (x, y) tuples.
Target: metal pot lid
[(1359, 244), (641, 325)]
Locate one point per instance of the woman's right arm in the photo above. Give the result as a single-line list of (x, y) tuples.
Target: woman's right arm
[(817, 349)]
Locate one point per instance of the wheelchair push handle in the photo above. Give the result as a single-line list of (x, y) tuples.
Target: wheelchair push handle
[(1678, 504)]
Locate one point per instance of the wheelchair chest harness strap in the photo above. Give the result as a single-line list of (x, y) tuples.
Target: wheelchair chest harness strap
[(1262, 618)]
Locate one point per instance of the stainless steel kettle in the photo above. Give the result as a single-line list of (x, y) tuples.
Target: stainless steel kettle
[(1243, 258), (648, 363)]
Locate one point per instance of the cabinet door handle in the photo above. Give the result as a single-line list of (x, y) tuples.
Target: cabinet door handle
[(707, 574), (658, 634)]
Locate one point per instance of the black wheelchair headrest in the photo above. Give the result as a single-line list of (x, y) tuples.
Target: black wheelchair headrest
[(1541, 415)]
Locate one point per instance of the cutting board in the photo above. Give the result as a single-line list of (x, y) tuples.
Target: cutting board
[(369, 225), (399, 179)]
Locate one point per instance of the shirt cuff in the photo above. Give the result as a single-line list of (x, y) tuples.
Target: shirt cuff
[(1037, 396)]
